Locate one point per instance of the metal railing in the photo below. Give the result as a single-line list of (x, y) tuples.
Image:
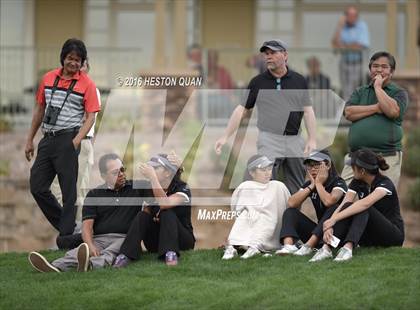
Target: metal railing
[(22, 67), (216, 110)]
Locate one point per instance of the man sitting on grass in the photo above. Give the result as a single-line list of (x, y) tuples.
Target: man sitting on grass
[(106, 220)]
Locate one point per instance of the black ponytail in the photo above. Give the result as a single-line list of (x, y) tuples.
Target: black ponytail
[(382, 163)]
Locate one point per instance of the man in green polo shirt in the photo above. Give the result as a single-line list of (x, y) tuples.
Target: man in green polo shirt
[(376, 112)]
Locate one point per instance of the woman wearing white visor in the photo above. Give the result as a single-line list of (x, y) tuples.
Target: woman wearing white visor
[(259, 203)]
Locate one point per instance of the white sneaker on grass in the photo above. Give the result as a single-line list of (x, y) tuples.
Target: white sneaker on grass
[(83, 258), (343, 255), (230, 252), (304, 250), (322, 254), (40, 263), (250, 253), (287, 249)]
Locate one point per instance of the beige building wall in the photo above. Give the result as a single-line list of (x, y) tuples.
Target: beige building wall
[(229, 24), (56, 21)]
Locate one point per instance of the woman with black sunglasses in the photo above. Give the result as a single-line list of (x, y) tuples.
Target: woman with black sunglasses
[(258, 203)]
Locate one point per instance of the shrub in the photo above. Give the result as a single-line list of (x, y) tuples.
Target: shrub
[(4, 125), (411, 160), (411, 157), (338, 150), (414, 196), (4, 168)]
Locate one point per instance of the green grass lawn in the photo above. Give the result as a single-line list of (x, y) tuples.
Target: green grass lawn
[(374, 279)]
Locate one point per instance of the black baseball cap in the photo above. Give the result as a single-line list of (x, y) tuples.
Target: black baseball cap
[(275, 45)]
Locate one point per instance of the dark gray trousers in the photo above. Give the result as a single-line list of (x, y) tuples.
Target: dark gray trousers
[(56, 156)]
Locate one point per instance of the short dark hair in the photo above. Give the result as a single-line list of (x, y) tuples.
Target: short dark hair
[(378, 55), (104, 160), (73, 45)]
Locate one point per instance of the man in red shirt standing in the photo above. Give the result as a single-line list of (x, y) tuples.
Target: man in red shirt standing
[(66, 103)]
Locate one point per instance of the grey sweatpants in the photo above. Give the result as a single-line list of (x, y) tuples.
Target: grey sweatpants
[(287, 151), (108, 245)]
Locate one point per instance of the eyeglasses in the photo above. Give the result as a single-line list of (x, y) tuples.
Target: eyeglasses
[(278, 84), (117, 171), (377, 66), (312, 164)]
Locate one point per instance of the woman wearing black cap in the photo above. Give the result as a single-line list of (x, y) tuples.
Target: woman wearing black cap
[(373, 220), (165, 228), (259, 203), (326, 189)]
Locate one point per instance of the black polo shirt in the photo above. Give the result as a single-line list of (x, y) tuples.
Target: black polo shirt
[(330, 184), (389, 205), (183, 212), (115, 210), (276, 107)]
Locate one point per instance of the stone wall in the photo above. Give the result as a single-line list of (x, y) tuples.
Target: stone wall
[(23, 227)]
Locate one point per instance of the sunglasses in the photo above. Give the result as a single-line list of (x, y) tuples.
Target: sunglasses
[(117, 171)]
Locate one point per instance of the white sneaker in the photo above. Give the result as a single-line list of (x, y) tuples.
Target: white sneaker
[(287, 249), (322, 254), (343, 255), (40, 263), (83, 258), (250, 253), (304, 250), (230, 252)]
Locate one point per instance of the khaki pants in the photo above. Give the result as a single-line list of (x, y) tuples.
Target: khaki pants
[(109, 246), (393, 172)]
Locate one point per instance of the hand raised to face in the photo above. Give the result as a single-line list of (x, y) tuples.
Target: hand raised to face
[(147, 170), (378, 81), (322, 175)]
